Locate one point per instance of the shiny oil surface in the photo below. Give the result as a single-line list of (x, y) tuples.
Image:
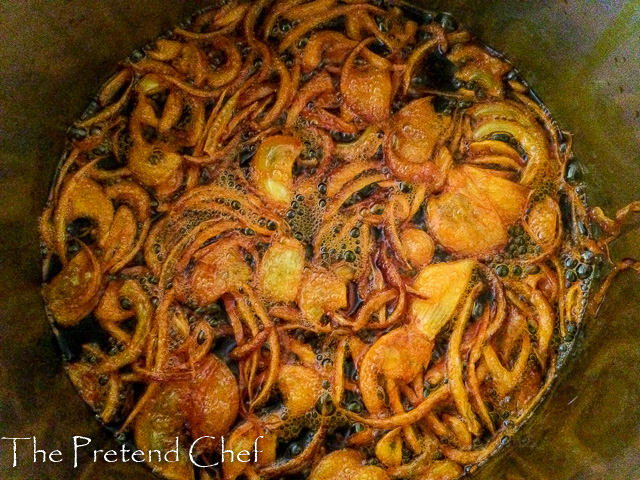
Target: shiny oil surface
[(583, 59)]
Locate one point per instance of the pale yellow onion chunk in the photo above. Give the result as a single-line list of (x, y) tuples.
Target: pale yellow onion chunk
[(389, 448), (441, 287), (322, 292), (244, 438), (281, 270), (273, 168), (300, 387)]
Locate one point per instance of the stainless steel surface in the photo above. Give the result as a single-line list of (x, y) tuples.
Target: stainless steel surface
[(582, 57)]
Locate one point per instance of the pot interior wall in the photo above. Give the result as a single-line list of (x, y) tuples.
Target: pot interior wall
[(581, 57)]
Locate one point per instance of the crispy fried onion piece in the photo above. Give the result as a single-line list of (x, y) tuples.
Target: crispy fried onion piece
[(209, 403), (438, 40), (152, 165), (366, 86), (130, 225), (346, 465), (322, 83), (471, 216), (331, 47), (74, 292), (321, 292), (217, 22), (218, 269), (506, 380), (280, 272), (201, 214), (81, 198), (419, 246), (321, 17), (143, 312), (301, 387), (119, 85), (272, 168), (246, 437), (103, 397), (478, 67), (439, 288), (362, 149), (543, 222), (413, 147), (516, 121)]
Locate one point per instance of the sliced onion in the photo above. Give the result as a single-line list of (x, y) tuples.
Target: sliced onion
[(73, 293), (280, 272), (441, 287), (273, 168)]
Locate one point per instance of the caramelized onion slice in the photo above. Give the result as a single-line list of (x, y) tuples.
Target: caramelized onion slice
[(507, 198), (109, 309), (273, 168), (85, 378), (245, 437), (463, 225), (120, 240), (82, 198), (280, 272), (473, 213), (221, 269), (389, 448), (333, 47), (418, 245), (400, 356), (73, 293), (346, 465), (477, 66), (142, 306), (366, 89), (300, 388), (157, 427), (321, 292), (543, 221), (208, 403), (513, 119), (153, 165), (214, 400), (415, 137), (441, 286), (418, 129)]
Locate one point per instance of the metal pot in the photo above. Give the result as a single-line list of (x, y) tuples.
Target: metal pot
[(583, 58)]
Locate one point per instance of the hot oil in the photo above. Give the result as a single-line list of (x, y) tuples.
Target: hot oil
[(342, 248)]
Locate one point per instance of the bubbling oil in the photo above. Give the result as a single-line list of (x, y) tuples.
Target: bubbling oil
[(360, 210)]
